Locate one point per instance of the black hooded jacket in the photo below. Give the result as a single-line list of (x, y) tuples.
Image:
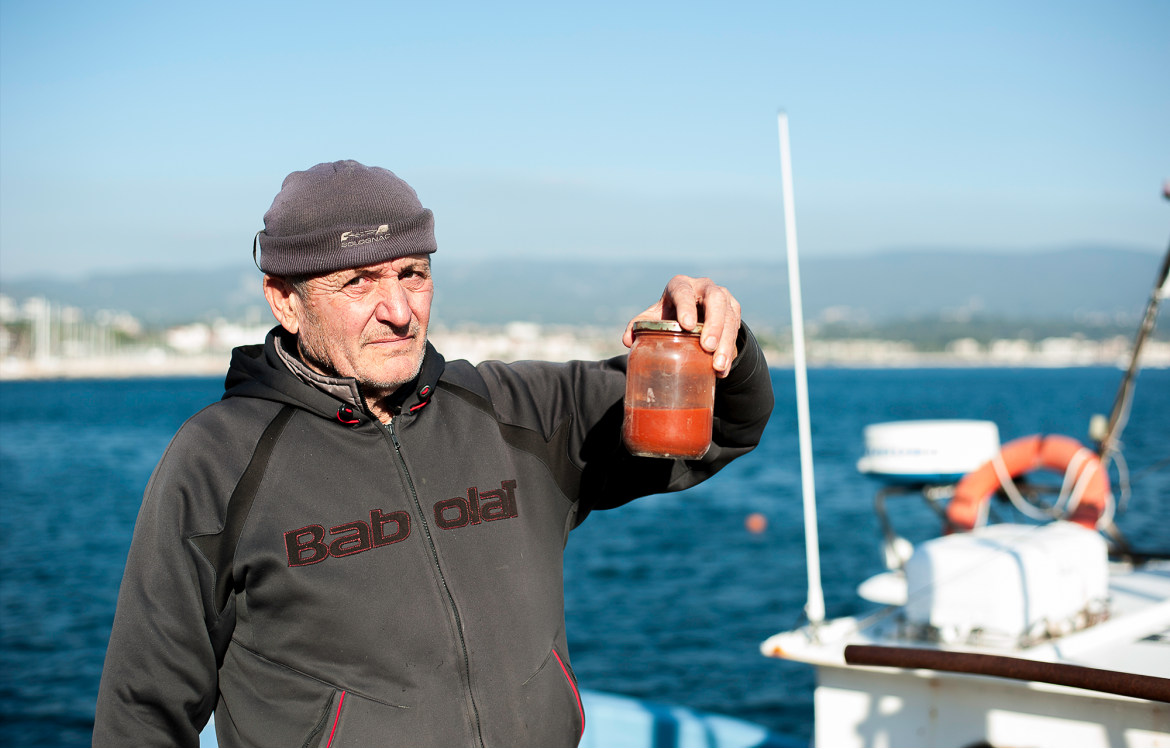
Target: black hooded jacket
[(318, 578)]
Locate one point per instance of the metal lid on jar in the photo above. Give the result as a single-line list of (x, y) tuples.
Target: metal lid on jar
[(665, 326)]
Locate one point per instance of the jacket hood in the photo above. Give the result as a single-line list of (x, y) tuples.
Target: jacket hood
[(263, 371)]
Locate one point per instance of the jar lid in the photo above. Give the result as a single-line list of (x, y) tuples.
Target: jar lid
[(666, 326)]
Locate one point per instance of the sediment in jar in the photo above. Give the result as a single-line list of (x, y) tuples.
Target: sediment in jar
[(668, 432)]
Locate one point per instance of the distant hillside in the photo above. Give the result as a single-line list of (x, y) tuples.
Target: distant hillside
[(1082, 283), (156, 297), (1105, 285)]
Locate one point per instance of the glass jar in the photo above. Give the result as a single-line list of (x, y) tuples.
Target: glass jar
[(670, 392)]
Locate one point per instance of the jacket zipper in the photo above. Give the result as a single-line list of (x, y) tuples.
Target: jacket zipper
[(389, 429)]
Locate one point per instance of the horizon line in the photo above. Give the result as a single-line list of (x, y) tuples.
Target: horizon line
[(458, 259)]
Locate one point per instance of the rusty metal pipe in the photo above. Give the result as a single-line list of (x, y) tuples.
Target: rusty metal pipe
[(1081, 677)]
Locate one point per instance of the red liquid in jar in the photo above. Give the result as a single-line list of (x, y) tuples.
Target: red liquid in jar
[(668, 432)]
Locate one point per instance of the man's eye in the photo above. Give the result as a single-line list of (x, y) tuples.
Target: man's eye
[(355, 281)]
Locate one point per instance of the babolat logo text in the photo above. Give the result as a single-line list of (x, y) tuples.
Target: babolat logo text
[(354, 238), (307, 545), (497, 504)]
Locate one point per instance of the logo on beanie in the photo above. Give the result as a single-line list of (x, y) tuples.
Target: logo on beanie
[(354, 238)]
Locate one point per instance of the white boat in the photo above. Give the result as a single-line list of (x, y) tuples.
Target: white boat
[(1007, 635), (984, 593)]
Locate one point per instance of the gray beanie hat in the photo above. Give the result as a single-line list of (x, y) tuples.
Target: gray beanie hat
[(342, 215)]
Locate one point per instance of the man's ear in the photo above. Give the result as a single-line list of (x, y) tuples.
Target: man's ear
[(283, 300)]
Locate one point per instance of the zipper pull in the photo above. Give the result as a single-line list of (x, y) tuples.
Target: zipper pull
[(393, 436)]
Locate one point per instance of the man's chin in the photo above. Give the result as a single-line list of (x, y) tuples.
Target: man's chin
[(391, 373)]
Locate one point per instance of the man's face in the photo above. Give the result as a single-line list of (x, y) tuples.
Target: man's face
[(368, 323)]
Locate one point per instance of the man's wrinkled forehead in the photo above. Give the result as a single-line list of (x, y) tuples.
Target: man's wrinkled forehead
[(422, 261)]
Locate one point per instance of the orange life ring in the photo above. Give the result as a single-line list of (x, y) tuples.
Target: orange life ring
[(1086, 486)]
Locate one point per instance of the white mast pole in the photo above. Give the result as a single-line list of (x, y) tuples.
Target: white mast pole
[(815, 608)]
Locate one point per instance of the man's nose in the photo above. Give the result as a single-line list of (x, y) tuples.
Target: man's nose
[(393, 307)]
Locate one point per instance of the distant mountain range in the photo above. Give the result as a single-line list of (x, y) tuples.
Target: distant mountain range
[(1085, 284)]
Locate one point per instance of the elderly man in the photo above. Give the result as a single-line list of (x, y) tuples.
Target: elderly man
[(361, 544)]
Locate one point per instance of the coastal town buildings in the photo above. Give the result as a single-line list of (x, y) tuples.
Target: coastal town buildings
[(40, 340)]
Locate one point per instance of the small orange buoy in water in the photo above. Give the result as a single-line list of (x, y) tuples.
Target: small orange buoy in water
[(756, 523)]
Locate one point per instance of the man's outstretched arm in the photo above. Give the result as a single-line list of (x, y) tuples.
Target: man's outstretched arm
[(590, 394)]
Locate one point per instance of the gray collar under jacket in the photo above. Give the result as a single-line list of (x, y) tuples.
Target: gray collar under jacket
[(345, 389), (272, 363)]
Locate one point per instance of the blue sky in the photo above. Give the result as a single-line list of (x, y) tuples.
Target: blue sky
[(156, 135)]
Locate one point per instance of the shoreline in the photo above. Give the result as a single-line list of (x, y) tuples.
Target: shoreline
[(200, 350), (944, 360), (162, 365)]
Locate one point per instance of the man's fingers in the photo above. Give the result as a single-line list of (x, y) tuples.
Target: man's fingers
[(689, 300), (652, 313), (720, 327), (714, 314), (682, 295), (679, 302), (726, 353)]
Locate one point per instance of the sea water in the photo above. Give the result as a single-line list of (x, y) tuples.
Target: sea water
[(667, 598)]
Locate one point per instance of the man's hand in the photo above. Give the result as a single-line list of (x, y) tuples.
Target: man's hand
[(691, 301)]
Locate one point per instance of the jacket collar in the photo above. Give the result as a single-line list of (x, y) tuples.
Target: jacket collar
[(418, 392), (411, 396), (344, 389)]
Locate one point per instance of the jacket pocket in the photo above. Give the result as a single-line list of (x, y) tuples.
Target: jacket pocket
[(356, 720), (572, 679), (323, 732), (270, 704), (547, 709)]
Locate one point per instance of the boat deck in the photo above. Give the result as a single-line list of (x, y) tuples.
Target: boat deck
[(1135, 638), (879, 706)]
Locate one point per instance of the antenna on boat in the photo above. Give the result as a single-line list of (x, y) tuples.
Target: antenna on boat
[(815, 608), (1108, 433)]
